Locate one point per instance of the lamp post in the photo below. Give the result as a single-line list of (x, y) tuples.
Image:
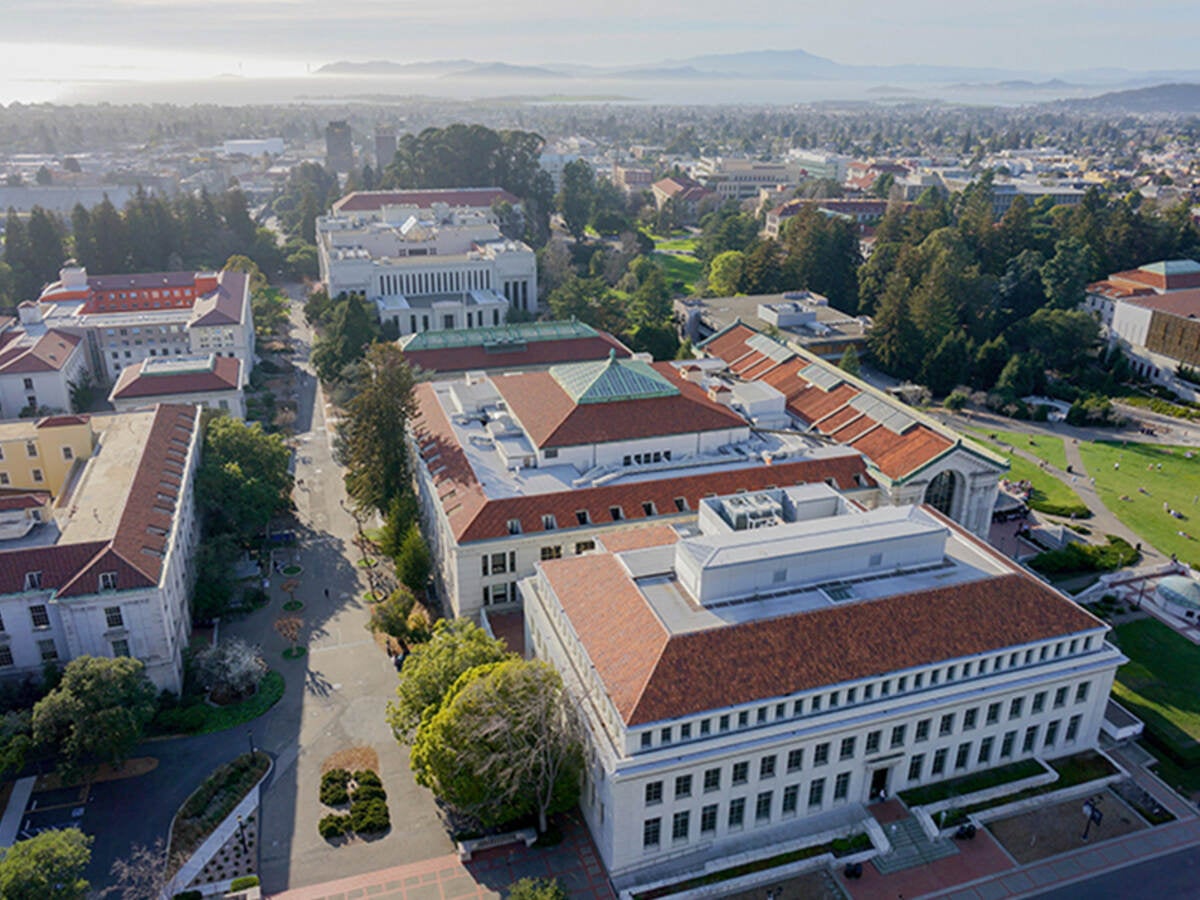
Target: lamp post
[(242, 833), (1091, 809), (250, 738)]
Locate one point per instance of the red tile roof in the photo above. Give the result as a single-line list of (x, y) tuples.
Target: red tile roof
[(223, 304), (48, 353), (370, 201), (474, 517), (1185, 304), (552, 419), (26, 500), (225, 375), (640, 538), (532, 354), (829, 412), (58, 421), (652, 676)]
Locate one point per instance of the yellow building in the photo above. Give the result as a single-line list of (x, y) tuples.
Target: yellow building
[(41, 454)]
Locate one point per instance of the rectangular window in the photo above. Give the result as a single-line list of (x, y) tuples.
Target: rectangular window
[(708, 819), (816, 793), (582, 517), (1051, 734), (685, 731), (584, 547), (1006, 745), (705, 727), (946, 726), (791, 795), (653, 793), (514, 526), (993, 714), (985, 750), (1081, 692), (664, 736), (712, 780), (795, 759), (897, 736), (970, 717), (724, 723), (499, 563), (873, 739), (40, 616), (1014, 708), (939, 762), (1039, 703), (766, 767), (761, 715), (683, 786), (551, 553), (821, 754), (962, 756), (68, 454), (915, 765), (647, 740), (743, 718), (6, 657), (47, 650), (120, 647), (30, 449), (922, 730), (1073, 728), (680, 825), (841, 786), (737, 812), (1030, 739), (113, 617), (1060, 698), (847, 749), (741, 772), (762, 807), (651, 832), (616, 513)]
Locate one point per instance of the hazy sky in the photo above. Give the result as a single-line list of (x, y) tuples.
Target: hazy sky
[(262, 34)]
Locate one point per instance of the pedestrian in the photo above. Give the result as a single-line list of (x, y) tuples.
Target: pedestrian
[(326, 593)]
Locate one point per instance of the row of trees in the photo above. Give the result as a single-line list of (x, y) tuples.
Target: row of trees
[(492, 735)]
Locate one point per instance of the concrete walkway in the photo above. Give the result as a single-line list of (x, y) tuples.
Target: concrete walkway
[(14, 812)]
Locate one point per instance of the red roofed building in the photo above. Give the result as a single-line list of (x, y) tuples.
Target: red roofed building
[(515, 468), (688, 198), (108, 571), (211, 381), (791, 657), (38, 367), (913, 458), (513, 347)]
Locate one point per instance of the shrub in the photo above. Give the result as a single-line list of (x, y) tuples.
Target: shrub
[(366, 776), (956, 401), (246, 881), (365, 792), (369, 816), (230, 670), (334, 784), (333, 825), (189, 895)]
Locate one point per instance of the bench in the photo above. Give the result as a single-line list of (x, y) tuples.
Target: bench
[(474, 845)]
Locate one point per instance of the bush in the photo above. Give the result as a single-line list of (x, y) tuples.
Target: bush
[(365, 792), (189, 895), (334, 825), (231, 670), (334, 784), (956, 401), (1086, 558), (246, 881), (369, 816), (366, 776)]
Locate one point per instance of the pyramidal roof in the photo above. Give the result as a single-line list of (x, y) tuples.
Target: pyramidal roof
[(1172, 267), (612, 379)]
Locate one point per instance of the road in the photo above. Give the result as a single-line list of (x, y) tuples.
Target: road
[(1176, 875)]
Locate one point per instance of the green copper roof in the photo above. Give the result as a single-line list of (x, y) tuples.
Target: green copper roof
[(1173, 267), (517, 333), (610, 380)]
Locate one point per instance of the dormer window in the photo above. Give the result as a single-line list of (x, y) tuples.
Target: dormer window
[(617, 513), (108, 581), (681, 504), (549, 523), (582, 517), (514, 526), (33, 581), (648, 508)]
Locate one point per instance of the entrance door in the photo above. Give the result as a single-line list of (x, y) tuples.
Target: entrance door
[(879, 783)]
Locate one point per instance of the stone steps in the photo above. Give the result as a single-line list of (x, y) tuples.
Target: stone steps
[(910, 847)]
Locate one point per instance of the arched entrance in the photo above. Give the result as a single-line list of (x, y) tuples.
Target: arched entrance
[(942, 492)]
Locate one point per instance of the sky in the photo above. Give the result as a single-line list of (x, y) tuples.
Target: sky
[(47, 41)]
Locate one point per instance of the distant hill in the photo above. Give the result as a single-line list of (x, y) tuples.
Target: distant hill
[(502, 70), (386, 67), (1162, 98)]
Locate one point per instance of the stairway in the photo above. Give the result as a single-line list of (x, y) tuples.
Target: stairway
[(910, 847)]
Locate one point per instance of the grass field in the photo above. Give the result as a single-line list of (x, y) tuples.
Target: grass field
[(682, 272), (1047, 449), (1161, 684), (677, 244), (1146, 488)]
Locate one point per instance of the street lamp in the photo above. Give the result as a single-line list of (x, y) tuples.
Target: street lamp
[(1091, 809), (250, 737), (242, 833)]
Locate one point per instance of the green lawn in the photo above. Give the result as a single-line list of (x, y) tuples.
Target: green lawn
[(682, 272), (1049, 494), (1047, 449), (1177, 484), (1161, 684), (678, 244)]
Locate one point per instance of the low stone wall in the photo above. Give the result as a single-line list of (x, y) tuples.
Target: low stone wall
[(474, 845)]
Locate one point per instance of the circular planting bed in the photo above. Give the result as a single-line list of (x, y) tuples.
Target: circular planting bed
[(292, 570), (294, 652), (367, 563), (293, 605)]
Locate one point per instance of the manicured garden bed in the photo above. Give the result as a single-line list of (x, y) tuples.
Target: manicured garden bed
[(216, 797), (970, 784), (200, 717)]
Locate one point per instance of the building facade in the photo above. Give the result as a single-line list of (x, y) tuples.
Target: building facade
[(792, 657), (211, 381), (39, 366)]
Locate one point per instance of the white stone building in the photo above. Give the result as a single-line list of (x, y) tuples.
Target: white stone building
[(763, 674), (211, 381), (38, 365), (520, 467), (111, 573)]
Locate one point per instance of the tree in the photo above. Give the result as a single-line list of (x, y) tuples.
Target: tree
[(370, 438), (240, 263), (413, 563), (391, 615), (15, 741), (401, 513), (269, 307), (725, 273), (849, 362), (1066, 274), (44, 175), (894, 340), (143, 875), (243, 480), (536, 889), (288, 628), (230, 669), (49, 866), (454, 647), (350, 331), (946, 368), (99, 710), (650, 304), (577, 197), (504, 743)]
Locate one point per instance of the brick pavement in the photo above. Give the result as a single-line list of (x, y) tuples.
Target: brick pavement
[(574, 862)]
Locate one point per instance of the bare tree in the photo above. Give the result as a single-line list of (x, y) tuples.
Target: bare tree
[(288, 628), (142, 875)]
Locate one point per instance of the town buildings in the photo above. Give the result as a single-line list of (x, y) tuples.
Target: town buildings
[(911, 457), (520, 467), (39, 366), (107, 568), (385, 146), (211, 381), (864, 212), (125, 319), (762, 674), (741, 179), (428, 260), (339, 150), (688, 199), (1152, 314)]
